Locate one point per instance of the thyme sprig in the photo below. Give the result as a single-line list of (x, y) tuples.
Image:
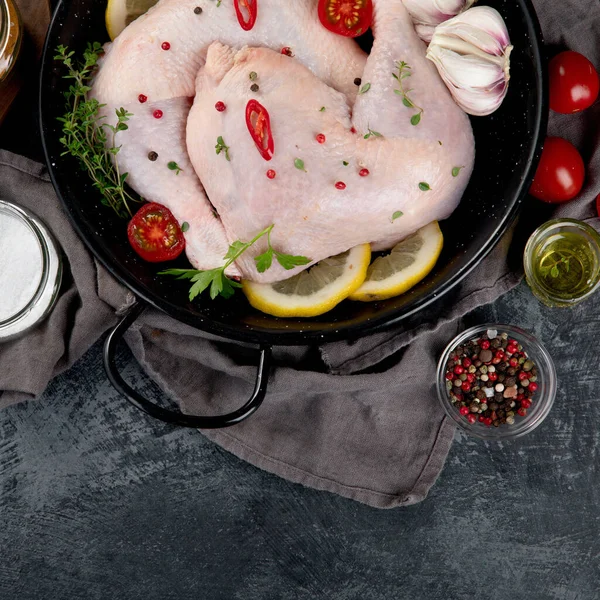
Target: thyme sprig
[(86, 137), (553, 269), (404, 71), (219, 284)]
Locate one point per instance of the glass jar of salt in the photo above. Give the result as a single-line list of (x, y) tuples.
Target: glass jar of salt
[(30, 271)]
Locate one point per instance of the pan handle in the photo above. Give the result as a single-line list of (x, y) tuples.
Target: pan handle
[(176, 417)]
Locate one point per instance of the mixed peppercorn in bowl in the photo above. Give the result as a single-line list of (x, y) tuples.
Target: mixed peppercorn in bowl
[(496, 381)]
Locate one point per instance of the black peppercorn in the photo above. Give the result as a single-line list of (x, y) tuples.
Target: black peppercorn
[(197, 10), (254, 87), (357, 81), (152, 156)]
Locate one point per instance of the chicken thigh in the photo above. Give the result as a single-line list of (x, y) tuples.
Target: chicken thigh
[(150, 70), (336, 179)]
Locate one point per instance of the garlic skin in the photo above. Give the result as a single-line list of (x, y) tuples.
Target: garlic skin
[(472, 54), (428, 14)]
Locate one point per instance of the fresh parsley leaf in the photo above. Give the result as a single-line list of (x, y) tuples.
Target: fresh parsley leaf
[(264, 261), (236, 249), (202, 281), (397, 215), (424, 186), (288, 262), (222, 147)]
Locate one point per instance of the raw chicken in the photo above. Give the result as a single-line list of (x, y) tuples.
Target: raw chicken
[(137, 66), (401, 167)]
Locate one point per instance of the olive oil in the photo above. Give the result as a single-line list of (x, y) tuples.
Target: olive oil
[(562, 262)]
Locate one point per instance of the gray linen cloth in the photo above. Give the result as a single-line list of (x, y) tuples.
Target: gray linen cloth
[(368, 427)]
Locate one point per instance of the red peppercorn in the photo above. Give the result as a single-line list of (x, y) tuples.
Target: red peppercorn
[(340, 185), (500, 355), (449, 374), (488, 421), (466, 362), (271, 175), (470, 377), (493, 376), (513, 342), (157, 114), (287, 51), (525, 403), (321, 138), (364, 172), (466, 386), (220, 106), (165, 46), (496, 360), (481, 419), (520, 397), (523, 375), (484, 344), (513, 362), (464, 410), (459, 370), (533, 387), (471, 418), (142, 98), (522, 412), (352, 130), (511, 349)]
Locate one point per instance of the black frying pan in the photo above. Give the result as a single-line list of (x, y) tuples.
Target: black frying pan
[(508, 147)]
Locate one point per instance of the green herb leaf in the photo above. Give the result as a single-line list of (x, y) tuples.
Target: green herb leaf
[(415, 119), (323, 109), (440, 142), (456, 171), (288, 262), (345, 163), (424, 186), (555, 272), (236, 249), (173, 166), (406, 102), (203, 281), (299, 164), (264, 261), (365, 88), (397, 215), (185, 226), (370, 133), (222, 147)]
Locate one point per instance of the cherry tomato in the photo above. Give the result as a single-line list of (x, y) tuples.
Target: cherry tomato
[(154, 233), (574, 83), (598, 204), (560, 174), (350, 18)]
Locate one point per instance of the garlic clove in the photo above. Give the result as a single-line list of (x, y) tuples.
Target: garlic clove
[(472, 54), (427, 14)]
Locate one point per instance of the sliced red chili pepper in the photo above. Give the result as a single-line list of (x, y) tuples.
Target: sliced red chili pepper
[(259, 126), (246, 11)]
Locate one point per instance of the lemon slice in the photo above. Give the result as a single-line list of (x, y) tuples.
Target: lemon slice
[(120, 13), (409, 262), (314, 291)]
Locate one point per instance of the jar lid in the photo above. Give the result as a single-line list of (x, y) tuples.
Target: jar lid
[(30, 271)]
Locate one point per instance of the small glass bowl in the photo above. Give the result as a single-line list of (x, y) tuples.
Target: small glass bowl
[(535, 247), (542, 401)]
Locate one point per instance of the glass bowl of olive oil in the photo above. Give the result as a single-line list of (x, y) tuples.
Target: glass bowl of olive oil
[(562, 262)]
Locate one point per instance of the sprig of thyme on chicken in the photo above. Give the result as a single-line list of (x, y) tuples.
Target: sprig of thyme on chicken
[(86, 137)]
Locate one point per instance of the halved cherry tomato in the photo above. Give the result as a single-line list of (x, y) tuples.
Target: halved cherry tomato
[(560, 174), (350, 18), (154, 233), (574, 83), (247, 16), (259, 126)]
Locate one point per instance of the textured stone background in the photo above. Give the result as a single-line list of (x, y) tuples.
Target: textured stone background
[(97, 501)]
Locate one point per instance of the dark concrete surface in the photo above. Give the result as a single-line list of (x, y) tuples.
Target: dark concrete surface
[(97, 501)]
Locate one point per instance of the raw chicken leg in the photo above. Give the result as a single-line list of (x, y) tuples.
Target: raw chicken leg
[(409, 169), (152, 67)]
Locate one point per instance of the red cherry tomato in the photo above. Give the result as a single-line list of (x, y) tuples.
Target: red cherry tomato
[(350, 18), (560, 174), (574, 83), (154, 233), (598, 204)]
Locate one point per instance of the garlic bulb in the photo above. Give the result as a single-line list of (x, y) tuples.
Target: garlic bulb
[(428, 14), (472, 55)]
